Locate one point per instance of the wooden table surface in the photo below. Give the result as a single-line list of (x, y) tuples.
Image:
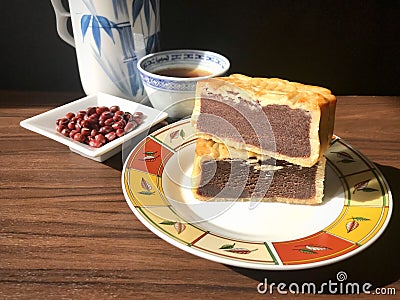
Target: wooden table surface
[(67, 233)]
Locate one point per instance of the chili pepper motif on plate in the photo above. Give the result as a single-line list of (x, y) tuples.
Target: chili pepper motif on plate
[(345, 157), (147, 187), (363, 186), (232, 249), (354, 223), (312, 249), (176, 134), (149, 156), (179, 227)]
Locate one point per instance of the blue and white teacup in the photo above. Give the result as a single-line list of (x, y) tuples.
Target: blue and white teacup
[(110, 36), (170, 77)]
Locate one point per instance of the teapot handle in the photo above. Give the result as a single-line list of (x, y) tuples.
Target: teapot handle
[(62, 16)]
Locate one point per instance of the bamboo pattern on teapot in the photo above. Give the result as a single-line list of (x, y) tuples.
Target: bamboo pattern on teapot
[(123, 28)]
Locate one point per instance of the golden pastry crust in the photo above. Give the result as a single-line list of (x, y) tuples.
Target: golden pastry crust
[(267, 90), (317, 101), (307, 96), (211, 150)]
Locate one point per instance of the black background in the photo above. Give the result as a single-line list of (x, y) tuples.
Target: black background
[(351, 47)]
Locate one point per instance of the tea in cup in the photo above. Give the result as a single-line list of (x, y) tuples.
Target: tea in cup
[(170, 77)]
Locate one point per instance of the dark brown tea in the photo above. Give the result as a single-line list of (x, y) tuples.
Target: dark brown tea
[(182, 72)]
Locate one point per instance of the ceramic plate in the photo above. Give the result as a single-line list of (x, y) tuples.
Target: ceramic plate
[(45, 123), (273, 236)]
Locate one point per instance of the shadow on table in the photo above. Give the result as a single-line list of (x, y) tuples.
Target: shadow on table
[(115, 162), (378, 264)]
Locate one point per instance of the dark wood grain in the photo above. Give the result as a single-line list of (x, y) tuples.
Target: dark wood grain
[(66, 231)]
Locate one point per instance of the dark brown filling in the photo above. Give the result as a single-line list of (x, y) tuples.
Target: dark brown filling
[(273, 127), (235, 179), (291, 128)]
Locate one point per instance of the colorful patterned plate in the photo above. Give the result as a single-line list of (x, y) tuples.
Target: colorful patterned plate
[(273, 236)]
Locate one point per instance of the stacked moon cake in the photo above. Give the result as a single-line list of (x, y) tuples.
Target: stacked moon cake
[(261, 138)]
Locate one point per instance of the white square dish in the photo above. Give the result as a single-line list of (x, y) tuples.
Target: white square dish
[(45, 124)]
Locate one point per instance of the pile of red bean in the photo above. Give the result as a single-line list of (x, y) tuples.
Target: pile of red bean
[(99, 125)]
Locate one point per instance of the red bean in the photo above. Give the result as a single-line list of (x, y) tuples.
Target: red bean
[(120, 132), (79, 137), (138, 114), (93, 133), (116, 126), (85, 131), (81, 114), (130, 126), (111, 136), (85, 123), (106, 115), (95, 144), (72, 133), (138, 120), (101, 109), (91, 110), (119, 113), (114, 108), (70, 115), (64, 121), (117, 118), (60, 128), (100, 138), (127, 116), (71, 125), (65, 132), (109, 122), (105, 129), (94, 117)]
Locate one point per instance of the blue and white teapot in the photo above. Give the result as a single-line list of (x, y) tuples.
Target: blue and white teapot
[(110, 36)]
